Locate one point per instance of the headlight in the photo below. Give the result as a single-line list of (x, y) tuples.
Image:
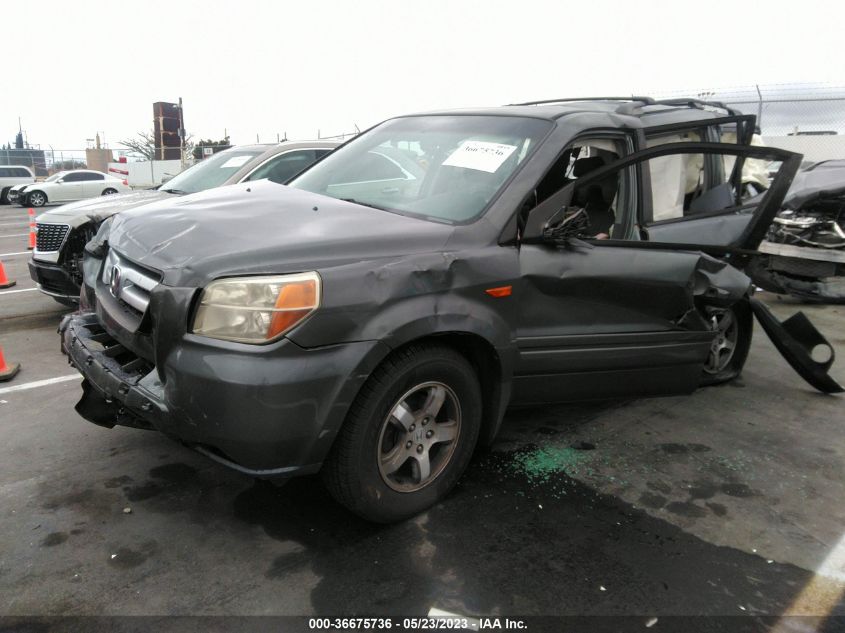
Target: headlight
[(256, 309)]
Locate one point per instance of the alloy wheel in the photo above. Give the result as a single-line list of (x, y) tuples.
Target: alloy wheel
[(418, 437), (724, 323), (37, 199)]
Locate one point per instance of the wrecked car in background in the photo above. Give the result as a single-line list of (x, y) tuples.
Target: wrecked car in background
[(805, 246), (61, 234), (374, 319)]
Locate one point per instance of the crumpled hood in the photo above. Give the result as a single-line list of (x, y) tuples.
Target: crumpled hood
[(809, 186), (101, 207), (262, 228)]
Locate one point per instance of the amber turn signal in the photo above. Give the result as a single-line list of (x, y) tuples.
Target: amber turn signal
[(501, 291)]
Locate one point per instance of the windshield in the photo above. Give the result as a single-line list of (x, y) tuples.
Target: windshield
[(212, 172), (444, 168), (55, 176)]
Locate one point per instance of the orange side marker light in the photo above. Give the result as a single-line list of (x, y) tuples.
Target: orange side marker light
[(501, 291)]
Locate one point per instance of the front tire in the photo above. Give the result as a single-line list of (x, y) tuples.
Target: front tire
[(733, 328), (409, 434), (36, 199)]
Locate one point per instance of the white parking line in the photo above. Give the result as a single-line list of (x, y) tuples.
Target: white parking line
[(11, 292), (2, 255), (15, 224), (15, 235), (39, 383)]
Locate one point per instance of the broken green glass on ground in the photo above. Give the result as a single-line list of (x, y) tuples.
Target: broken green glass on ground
[(540, 463)]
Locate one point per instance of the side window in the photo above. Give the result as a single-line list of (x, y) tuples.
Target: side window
[(72, 177), (609, 208), (20, 172), (717, 215), (282, 168), (680, 190), (96, 177), (4, 172), (675, 182), (319, 153), (754, 172)]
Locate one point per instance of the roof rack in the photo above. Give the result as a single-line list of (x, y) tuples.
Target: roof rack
[(630, 103), (645, 100), (694, 103)]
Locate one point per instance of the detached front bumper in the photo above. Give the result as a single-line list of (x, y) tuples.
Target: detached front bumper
[(268, 413), (54, 280)]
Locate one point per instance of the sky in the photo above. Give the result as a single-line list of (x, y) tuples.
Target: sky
[(256, 68)]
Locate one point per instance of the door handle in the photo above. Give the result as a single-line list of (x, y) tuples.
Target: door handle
[(389, 190)]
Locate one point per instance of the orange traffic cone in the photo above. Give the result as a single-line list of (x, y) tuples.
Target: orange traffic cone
[(7, 372), (31, 230), (5, 282)]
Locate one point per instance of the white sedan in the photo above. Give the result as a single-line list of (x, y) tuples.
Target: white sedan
[(67, 186)]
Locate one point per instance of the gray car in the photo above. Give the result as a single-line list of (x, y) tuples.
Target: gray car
[(56, 264)]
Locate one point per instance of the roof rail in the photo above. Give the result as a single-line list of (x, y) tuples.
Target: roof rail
[(693, 103), (629, 104), (644, 100)]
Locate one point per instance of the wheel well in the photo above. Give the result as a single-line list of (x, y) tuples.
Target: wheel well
[(488, 367), (29, 193)]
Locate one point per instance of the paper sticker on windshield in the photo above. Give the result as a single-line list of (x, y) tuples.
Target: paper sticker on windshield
[(235, 161), (480, 155)]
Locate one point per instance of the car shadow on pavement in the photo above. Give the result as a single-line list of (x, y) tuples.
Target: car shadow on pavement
[(503, 543)]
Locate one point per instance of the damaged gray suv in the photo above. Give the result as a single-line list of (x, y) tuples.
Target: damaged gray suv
[(373, 319)]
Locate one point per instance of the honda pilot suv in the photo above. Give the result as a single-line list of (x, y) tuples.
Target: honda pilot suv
[(373, 319)]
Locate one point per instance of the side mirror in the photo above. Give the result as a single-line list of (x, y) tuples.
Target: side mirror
[(60, 181), (554, 212), (569, 223), (166, 177)]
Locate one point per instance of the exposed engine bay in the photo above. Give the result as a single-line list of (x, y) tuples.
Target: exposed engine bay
[(805, 245)]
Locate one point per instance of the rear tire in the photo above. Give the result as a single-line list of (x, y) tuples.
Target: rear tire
[(4, 195), (734, 327), (109, 191), (408, 436)]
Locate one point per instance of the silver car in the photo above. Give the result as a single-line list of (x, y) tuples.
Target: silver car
[(62, 233)]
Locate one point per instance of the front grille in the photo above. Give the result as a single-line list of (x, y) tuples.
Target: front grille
[(128, 282), (129, 366), (49, 237)]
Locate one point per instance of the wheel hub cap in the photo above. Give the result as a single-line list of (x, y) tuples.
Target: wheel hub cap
[(724, 324), (418, 437)]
